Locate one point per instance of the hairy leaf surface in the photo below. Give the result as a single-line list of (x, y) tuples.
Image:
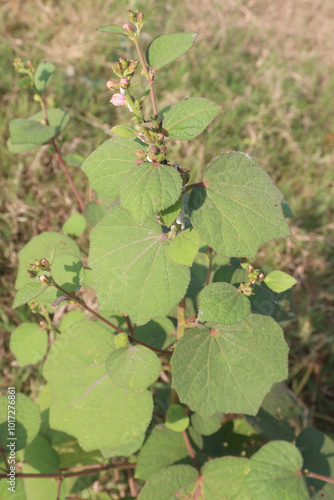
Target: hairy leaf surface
[(166, 48)]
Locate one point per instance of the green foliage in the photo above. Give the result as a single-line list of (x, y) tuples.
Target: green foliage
[(166, 48), (187, 332)]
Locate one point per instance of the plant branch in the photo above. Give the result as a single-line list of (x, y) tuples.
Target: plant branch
[(189, 187), (190, 450), (81, 303), (4, 458), (148, 78), (181, 318), (67, 175), (128, 322), (62, 475), (59, 158), (318, 476)]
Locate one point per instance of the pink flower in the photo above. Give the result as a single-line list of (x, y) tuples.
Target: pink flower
[(118, 100), (113, 85)]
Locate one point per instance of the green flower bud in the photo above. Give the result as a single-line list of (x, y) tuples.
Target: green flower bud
[(121, 340)]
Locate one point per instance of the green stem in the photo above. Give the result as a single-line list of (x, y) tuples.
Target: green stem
[(147, 74), (181, 318), (107, 322)]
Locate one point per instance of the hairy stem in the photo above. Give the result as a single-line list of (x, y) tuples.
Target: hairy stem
[(62, 475), (148, 78), (60, 160), (190, 450), (181, 318), (81, 303)]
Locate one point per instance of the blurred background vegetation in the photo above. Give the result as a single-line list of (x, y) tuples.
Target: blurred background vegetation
[(270, 64)]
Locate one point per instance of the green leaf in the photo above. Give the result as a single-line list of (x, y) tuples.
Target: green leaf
[(158, 333), (318, 454), (133, 367), (40, 247), (188, 118), (132, 269), (27, 421), (166, 48), (86, 402), (239, 209), (28, 292), (149, 189), (178, 481), (6, 494), (126, 450), (28, 343), (207, 425), (124, 131), (30, 131), (24, 82), (162, 448), (75, 225), (20, 148), (228, 476), (169, 214), (57, 117), (67, 272), (223, 303), (94, 212), (279, 281), (43, 75), (177, 419), (275, 473), (116, 30), (287, 212), (107, 167), (184, 247), (278, 412), (229, 369), (230, 274), (75, 159), (70, 318)]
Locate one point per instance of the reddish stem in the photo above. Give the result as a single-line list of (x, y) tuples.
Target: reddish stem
[(107, 322), (62, 475), (131, 483), (318, 476), (190, 450), (128, 322), (148, 78)]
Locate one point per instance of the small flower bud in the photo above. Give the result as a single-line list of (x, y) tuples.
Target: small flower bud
[(250, 269), (140, 154), (118, 100), (124, 62), (261, 276), (45, 263), (113, 85), (140, 17), (133, 65), (247, 290), (121, 340), (118, 69), (45, 280), (129, 28), (42, 324), (133, 16), (124, 83)]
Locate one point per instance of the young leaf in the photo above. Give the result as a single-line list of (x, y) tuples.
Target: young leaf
[(184, 247), (318, 454), (27, 421), (177, 419), (124, 130), (28, 292), (43, 75), (223, 303), (28, 343), (75, 225), (188, 118), (169, 214), (107, 167), (79, 389), (239, 209), (149, 189), (40, 247), (116, 30), (20, 148), (279, 281), (229, 369), (30, 131), (133, 367), (133, 271), (166, 48), (74, 159)]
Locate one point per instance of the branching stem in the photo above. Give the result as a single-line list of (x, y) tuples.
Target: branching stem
[(81, 303)]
